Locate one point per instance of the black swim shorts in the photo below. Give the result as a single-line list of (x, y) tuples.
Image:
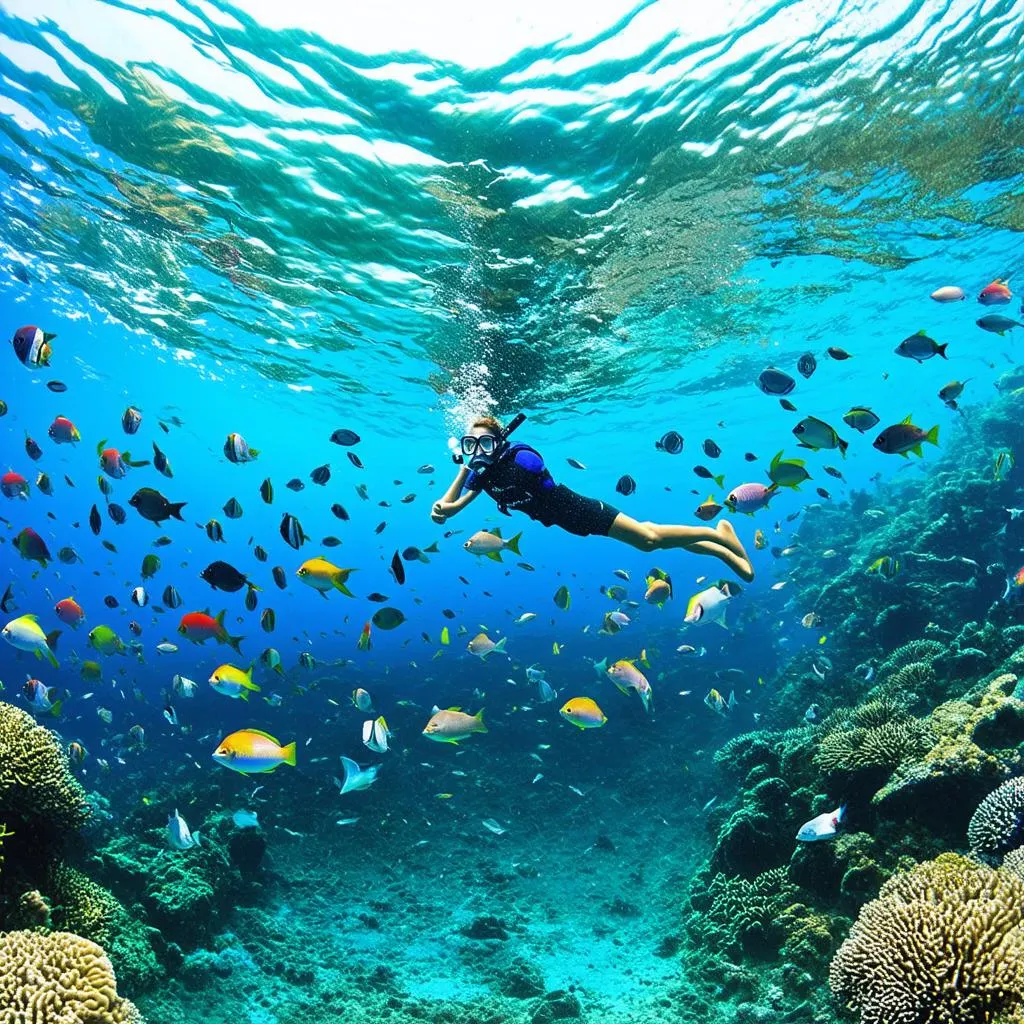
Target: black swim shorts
[(574, 513)]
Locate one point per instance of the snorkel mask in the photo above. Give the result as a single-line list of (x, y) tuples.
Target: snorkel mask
[(483, 450)]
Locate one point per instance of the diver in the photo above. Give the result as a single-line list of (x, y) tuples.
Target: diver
[(515, 476)]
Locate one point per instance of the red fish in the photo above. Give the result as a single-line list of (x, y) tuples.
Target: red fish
[(114, 463), (202, 626), (996, 294), (13, 485), (32, 547), (70, 612), (63, 431)]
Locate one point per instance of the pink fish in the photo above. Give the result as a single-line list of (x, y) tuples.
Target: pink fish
[(748, 498), (996, 294)]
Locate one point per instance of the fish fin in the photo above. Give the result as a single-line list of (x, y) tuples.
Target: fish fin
[(720, 480), (513, 544), (908, 418), (932, 437), (51, 639), (500, 645), (50, 655), (843, 445), (47, 336), (279, 670), (917, 451), (234, 642), (252, 586), (494, 556), (496, 532), (288, 752), (941, 350), (776, 459), (176, 506), (479, 719), (100, 446), (55, 708), (622, 689), (339, 585), (254, 452), (244, 694)]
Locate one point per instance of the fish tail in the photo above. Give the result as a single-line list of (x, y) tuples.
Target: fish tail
[(500, 645), (234, 642), (941, 350), (479, 719), (55, 707), (244, 694), (51, 656), (933, 435), (288, 753), (843, 445), (254, 452), (720, 480), (513, 544), (252, 586), (279, 670), (175, 509), (51, 639), (339, 584)]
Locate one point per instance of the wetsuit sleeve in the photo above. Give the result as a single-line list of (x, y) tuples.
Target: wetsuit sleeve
[(530, 461), (472, 483)]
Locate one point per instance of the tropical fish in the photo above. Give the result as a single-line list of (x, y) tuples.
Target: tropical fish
[(887, 567), (237, 450), (583, 712), (949, 393), (152, 505), (996, 323), (626, 485), (388, 618), (63, 431), (105, 640), (482, 645), (32, 547), (949, 293), (223, 576), (32, 346), (14, 485), (361, 699), (716, 702), (787, 472), (178, 835), (251, 751), (345, 437), (562, 598), (904, 437), (837, 353), (354, 777), (806, 365), (817, 434), (183, 686), (131, 420), (42, 698), (659, 587), (491, 544), (453, 725), (824, 826), (670, 442), (920, 347), (626, 676), (201, 626), (233, 682), (996, 294), (322, 576), (707, 509), (775, 382), (760, 541), (748, 498), (376, 734), (1002, 464), (861, 419), (709, 605)]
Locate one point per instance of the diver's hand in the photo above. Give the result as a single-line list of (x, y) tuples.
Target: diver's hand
[(439, 513)]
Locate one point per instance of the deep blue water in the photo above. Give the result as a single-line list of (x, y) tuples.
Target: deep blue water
[(283, 221)]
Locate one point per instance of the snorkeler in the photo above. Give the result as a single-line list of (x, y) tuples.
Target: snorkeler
[(515, 476)]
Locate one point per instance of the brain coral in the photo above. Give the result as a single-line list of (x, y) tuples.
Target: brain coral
[(58, 979), (998, 823), (36, 783), (942, 944)]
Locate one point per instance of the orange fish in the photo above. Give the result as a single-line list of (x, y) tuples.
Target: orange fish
[(70, 612), (201, 626), (996, 294)]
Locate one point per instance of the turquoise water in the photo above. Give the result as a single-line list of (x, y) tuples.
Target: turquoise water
[(284, 220)]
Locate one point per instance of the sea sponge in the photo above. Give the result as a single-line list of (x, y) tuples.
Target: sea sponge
[(998, 823), (36, 783), (942, 944), (58, 979)]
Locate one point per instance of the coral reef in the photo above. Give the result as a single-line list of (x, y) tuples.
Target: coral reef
[(58, 979), (943, 942), (997, 826)]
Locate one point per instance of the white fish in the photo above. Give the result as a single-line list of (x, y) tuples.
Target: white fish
[(376, 735), (824, 826), (362, 699), (140, 597), (1015, 513), (535, 673), (711, 803), (708, 606), (245, 819), (178, 835), (546, 693), (166, 647), (492, 826), (812, 712), (346, 821), (356, 777), (623, 574), (525, 617), (779, 585), (697, 652)]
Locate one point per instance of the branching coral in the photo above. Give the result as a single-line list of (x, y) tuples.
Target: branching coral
[(942, 944), (916, 650), (998, 824), (58, 979), (883, 746), (35, 781)]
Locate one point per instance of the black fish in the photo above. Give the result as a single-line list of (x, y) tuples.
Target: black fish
[(750, 457), (131, 420), (425, 469), (787, 405), (95, 523), (340, 512), (408, 499), (823, 493), (232, 509), (377, 598), (412, 554), (171, 597), (152, 505), (222, 576), (832, 471), (163, 426), (384, 504), (354, 459), (106, 488), (267, 491), (711, 450), (268, 620), (321, 474), (380, 527), (116, 513), (839, 354), (3, 407), (279, 577), (775, 382), (109, 546), (448, 613), (68, 480), (214, 531), (291, 531), (162, 542), (345, 437), (110, 601), (397, 569), (362, 492), (295, 484), (260, 553), (671, 442), (330, 541), (7, 601), (160, 462), (250, 599), (33, 450), (526, 566), (68, 556), (626, 485), (704, 473), (58, 387), (806, 365)]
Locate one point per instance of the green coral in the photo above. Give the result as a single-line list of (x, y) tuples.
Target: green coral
[(942, 944), (808, 936), (921, 651)]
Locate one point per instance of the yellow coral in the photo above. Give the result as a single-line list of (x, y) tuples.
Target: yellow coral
[(58, 979), (82, 906), (36, 783), (942, 944)]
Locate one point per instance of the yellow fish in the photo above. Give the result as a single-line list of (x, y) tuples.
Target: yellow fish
[(583, 713), (453, 725), (233, 682), (250, 750), (322, 576), (446, 637)]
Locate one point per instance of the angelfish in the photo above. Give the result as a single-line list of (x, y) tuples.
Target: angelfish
[(178, 835)]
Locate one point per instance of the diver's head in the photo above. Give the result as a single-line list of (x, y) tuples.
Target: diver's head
[(484, 442)]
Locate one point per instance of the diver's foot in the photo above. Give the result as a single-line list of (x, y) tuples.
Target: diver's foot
[(728, 539), (744, 570)]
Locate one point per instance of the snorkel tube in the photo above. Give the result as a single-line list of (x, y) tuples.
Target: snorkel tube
[(517, 421)]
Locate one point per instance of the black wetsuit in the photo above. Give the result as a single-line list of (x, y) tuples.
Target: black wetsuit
[(520, 481)]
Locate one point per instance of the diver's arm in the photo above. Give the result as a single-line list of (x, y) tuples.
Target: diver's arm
[(451, 503), (456, 488)]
